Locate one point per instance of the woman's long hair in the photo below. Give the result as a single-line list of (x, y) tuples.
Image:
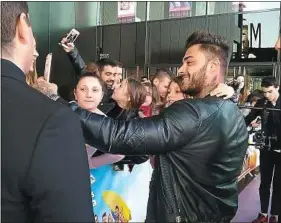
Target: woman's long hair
[(137, 93), (31, 77)]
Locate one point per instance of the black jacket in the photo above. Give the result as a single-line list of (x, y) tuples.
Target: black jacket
[(121, 114), (76, 61), (44, 166), (200, 146)]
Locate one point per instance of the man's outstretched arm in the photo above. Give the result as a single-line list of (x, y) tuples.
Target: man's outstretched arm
[(170, 130)]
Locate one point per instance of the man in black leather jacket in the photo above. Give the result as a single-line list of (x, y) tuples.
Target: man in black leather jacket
[(199, 143)]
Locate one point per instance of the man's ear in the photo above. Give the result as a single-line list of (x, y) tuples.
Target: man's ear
[(23, 29), (214, 65), (156, 81)]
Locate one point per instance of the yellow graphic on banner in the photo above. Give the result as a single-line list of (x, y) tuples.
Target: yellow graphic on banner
[(117, 205)]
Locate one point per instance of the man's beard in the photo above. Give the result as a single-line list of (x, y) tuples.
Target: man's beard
[(193, 85), (109, 84)]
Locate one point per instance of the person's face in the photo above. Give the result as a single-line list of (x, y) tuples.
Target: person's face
[(119, 73), (108, 75), (241, 81), (24, 39), (88, 93), (118, 77), (148, 98), (270, 93), (277, 44), (174, 93), (117, 212), (120, 93), (198, 73), (162, 86), (104, 219), (35, 55)]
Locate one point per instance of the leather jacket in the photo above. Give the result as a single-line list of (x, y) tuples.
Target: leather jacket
[(76, 61), (199, 145)]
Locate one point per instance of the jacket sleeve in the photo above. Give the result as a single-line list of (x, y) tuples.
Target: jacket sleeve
[(168, 131), (58, 181), (76, 61)]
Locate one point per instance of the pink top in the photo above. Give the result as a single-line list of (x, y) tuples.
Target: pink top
[(101, 160)]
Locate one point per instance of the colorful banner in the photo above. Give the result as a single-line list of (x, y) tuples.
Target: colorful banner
[(179, 9), (126, 12), (251, 160), (120, 196)]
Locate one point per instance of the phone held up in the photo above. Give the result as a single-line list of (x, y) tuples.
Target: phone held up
[(48, 64), (72, 36)]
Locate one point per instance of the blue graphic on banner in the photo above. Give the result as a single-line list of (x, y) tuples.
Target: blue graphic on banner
[(120, 196)]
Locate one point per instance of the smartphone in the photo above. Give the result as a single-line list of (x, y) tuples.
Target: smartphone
[(72, 36), (48, 64), (258, 120)]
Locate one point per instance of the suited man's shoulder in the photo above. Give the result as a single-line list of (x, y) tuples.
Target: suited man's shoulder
[(46, 106), (30, 107)]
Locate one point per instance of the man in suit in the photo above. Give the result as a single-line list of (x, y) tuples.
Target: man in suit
[(45, 174)]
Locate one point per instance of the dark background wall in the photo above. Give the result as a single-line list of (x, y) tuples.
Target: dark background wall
[(123, 42), (126, 42)]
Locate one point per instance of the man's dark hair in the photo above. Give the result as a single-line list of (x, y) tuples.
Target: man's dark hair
[(161, 73), (144, 77), (105, 62), (269, 81), (10, 13), (119, 64), (214, 45)]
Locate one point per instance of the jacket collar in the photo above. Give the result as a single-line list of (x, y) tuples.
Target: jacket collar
[(9, 69)]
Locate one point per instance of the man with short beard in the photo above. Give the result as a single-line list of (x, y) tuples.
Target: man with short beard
[(199, 143)]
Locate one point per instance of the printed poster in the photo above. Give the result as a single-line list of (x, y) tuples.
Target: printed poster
[(120, 196), (126, 12), (179, 9)]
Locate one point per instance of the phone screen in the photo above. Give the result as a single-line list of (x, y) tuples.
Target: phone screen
[(72, 36)]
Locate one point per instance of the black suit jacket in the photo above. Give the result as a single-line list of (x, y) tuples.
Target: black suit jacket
[(45, 173)]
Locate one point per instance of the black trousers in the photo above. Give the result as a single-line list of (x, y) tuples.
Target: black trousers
[(270, 168)]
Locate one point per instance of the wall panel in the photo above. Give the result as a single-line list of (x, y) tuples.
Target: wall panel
[(155, 42), (174, 52), (165, 38), (128, 44), (111, 38), (39, 16), (140, 43)]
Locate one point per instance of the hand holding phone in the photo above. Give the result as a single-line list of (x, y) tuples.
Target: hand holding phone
[(67, 42), (72, 36), (48, 64), (67, 47)]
